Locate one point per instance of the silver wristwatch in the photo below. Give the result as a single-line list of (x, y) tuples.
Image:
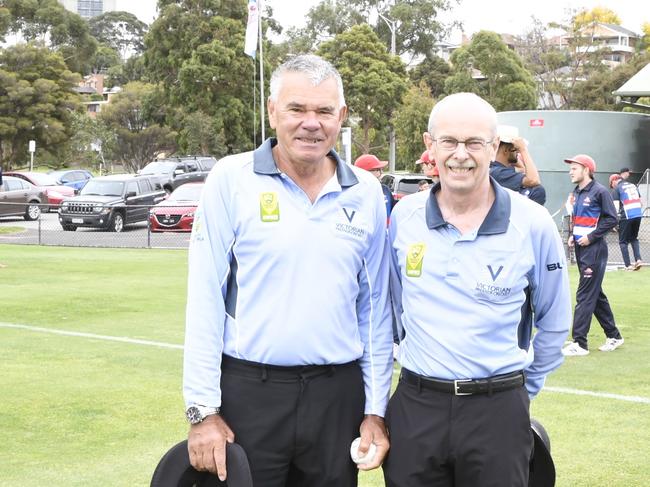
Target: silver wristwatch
[(197, 413)]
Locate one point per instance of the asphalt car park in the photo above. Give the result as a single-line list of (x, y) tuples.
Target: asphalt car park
[(47, 231)]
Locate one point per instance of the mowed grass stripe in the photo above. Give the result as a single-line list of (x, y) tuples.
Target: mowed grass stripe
[(135, 341)]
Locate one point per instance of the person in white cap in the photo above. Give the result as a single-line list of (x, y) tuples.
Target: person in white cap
[(513, 166)]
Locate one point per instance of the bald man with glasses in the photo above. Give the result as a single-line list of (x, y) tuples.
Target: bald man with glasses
[(474, 269)]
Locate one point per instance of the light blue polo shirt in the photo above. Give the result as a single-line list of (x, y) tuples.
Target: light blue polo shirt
[(469, 303), (277, 279)]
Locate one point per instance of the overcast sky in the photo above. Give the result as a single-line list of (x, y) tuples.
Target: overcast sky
[(504, 16)]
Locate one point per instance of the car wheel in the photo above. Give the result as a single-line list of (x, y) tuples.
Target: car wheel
[(32, 212), (117, 223), (69, 228)]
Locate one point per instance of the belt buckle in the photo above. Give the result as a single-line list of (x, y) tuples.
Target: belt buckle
[(457, 383)]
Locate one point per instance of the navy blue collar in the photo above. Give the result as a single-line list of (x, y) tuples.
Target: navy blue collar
[(263, 163), (496, 221)]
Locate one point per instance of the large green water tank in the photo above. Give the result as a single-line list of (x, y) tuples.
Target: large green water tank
[(613, 139)]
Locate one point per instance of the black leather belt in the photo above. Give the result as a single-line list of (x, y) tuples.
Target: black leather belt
[(466, 387)]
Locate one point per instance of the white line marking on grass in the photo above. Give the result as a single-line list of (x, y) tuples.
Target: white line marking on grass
[(134, 341), (579, 392)]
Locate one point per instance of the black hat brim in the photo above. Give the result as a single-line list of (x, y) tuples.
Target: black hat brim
[(175, 470)]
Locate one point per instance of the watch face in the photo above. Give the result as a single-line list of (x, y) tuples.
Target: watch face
[(194, 415)]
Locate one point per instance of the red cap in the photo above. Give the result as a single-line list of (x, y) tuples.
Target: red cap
[(583, 160), (424, 158), (613, 178), (369, 162)]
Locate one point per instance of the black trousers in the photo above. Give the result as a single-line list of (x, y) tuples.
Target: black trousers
[(590, 298), (441, 440), (295, 423), (628, 233)]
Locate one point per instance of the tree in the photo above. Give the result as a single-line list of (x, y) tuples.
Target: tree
[(417, 28), (131, 70), (374, 80), (129, 115), (195, 50), (506, 83), (597, 14), (121, 31), (433, 71), (48, 22), (105, 57), (89, 135), (36, 101), (411, 120), (201, 135)]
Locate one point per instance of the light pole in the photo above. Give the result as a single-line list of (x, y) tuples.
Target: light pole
[(391, 152)]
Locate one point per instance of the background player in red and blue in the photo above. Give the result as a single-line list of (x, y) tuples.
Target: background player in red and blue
[(594, 215), (628, 203)]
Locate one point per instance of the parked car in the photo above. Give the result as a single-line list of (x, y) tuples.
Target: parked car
[(75, 178), (401, 184), (55, 193), (20, 198), (173, 172), (176, 213), (111, 202)]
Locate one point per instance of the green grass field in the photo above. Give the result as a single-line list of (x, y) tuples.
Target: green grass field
[(83, 411)]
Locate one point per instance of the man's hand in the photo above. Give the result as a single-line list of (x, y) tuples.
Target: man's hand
[(570, 241), (373, 430), (583, 241), (206, 443)]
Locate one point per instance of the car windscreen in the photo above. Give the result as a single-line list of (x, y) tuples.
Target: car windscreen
[(409, 185), (103, 188), (43, 179), (187, 192), (158, 167)]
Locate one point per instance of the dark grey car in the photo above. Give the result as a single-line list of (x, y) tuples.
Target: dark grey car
[(20, 198)]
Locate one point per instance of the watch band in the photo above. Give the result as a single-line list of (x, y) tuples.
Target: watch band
[(195, 414)]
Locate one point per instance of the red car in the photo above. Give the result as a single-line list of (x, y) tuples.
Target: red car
[(176, 213), (55, 193)]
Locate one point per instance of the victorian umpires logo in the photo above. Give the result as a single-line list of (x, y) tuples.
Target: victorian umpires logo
[(491, 288), (349, 228), (269, 207)]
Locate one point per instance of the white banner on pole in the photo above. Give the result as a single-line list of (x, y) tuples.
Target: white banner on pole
[(250, 45)]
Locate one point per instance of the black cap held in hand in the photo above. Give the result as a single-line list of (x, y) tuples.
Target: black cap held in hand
[(175, 470)]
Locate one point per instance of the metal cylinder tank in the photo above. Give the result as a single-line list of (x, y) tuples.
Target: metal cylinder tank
[(613, 139)]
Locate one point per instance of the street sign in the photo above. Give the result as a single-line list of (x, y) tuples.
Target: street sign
[(32, 146)]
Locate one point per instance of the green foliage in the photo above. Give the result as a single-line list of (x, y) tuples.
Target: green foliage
[(133, 69), (433, 71), (415, 23), (36, 101), (374, 80), (506, 83), (48, 20), (104, 58), (122, 31), (199, 135), (89, 134), (195, 50), (411, 121), (138, 139)]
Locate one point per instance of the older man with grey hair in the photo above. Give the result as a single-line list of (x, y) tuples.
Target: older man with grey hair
[(288, 344)]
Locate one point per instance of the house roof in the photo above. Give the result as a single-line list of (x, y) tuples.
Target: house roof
[(620, 29), (637, 85)]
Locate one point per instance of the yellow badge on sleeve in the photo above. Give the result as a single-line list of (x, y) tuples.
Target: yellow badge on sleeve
[(269, 207), (414, 258)]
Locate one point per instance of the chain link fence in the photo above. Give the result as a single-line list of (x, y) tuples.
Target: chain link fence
[(140, 230), (46, 229)]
